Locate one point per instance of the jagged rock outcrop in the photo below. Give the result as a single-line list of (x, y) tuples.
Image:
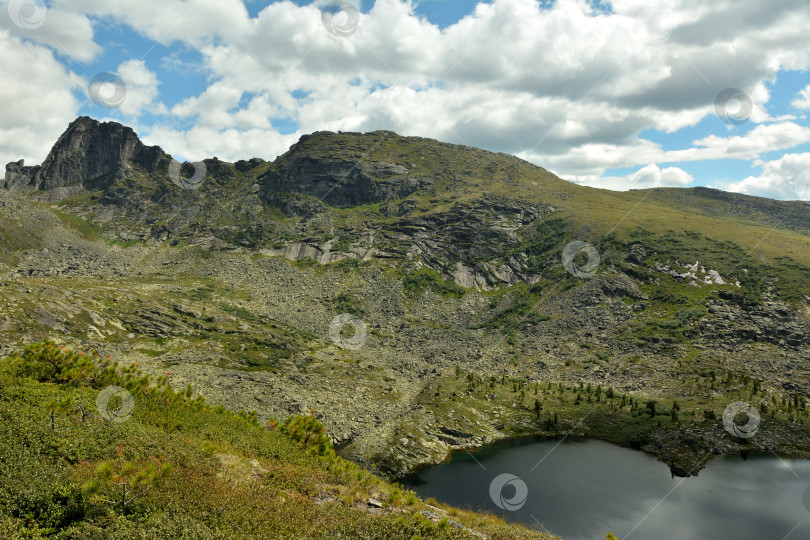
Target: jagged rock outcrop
[(18, 176), (337, 181), (771, 321), (89, 155), (467, 242)]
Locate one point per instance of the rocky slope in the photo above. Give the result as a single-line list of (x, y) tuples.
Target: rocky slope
[(471, 327)]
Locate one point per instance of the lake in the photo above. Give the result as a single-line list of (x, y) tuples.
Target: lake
[(581, 489)]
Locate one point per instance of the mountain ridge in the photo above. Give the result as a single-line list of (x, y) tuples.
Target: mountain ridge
[(468, 269), (393, 182)]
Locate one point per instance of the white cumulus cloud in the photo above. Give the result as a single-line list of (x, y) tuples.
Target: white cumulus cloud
[(39, 100), (785, 178), (646, 177), (141, 89), (803, 99)]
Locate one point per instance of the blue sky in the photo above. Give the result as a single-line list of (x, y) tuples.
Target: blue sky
[(610, 94)]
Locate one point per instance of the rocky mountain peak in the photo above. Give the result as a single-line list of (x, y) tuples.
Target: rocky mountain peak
[(89, 155), (346, 169)]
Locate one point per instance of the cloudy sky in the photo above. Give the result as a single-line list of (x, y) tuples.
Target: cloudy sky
[(618, 94)]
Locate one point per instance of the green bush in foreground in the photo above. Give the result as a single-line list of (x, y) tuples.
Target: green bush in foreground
[(123, 483), (175, 467), (309, 433)]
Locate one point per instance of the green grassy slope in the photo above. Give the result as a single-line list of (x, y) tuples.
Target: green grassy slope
[(62, 466)]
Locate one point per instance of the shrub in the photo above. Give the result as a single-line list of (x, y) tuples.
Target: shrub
[(47, 362), (424, 279), (309, 433), (119, 484), (90, 478)]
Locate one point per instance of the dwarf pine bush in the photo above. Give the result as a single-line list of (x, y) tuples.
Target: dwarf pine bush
[(119, 484), (311, 434)]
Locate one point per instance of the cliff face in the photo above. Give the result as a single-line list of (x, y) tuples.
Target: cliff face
[(340, 178), (89, 155), (18, 176)]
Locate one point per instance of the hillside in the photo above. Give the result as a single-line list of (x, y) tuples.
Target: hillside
[(447, 263), (170, 466)]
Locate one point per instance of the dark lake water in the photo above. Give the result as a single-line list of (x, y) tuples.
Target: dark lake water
[(581, 489)]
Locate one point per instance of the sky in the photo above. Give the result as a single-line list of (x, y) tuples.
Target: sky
[(620, 94)]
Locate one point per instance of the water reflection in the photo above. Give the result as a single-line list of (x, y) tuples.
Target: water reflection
[(581, 489)]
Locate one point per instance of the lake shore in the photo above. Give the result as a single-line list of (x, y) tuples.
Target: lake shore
[(581, 488), (685, 452)]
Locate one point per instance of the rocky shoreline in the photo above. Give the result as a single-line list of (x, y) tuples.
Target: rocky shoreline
[(683, 460)]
